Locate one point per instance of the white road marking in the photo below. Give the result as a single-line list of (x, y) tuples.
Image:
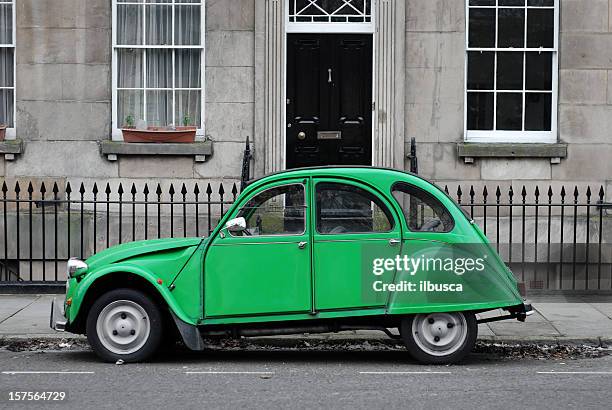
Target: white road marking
[(44, 372), (404, 372), (577, 372), (226, 372)]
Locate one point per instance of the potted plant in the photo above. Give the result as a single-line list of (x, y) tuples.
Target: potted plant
[(182, 134)]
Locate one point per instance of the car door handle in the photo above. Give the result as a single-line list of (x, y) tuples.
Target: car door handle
[(394, 242), (302, 245)]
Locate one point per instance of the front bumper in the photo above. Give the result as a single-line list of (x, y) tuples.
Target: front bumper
[(57, 319), (518, 312)]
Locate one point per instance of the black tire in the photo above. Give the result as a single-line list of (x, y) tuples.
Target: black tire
[(149, 335), (458, 344)]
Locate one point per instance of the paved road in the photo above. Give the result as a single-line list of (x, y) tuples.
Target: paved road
[(307, 379)]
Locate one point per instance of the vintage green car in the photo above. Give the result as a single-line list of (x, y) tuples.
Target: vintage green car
[(303, 251)]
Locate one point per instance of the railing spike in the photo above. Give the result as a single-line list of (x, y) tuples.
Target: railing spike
[(184, 189), (68, 188), (498, 192), (95, 189), (133, 190), (43, 188), (30, 188), (146, 189), (196, 189), (576, 192), (601, 193), (82, 189), (171, 191), (221, 189), (562, 191), (550, 191), (485, 192), (120, 191), (446, 189), (537, 191), (472, 193), (234, 190), (209, 189), (524, 192), (158, 190), (4, 187), (107, 190), (588, 193)]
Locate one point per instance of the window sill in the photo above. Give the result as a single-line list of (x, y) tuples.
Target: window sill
[(199, 150), (469, 151), (10, 148)]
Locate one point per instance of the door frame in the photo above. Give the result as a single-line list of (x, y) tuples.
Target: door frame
[(331, 29)]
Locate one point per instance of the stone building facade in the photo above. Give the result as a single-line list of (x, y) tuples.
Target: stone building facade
[(66, 80)]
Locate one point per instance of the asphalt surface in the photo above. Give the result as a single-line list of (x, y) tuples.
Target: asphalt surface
[(287, 378)]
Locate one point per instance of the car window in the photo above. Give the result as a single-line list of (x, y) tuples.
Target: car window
[(422, 211), (343, 208), (276, 211)]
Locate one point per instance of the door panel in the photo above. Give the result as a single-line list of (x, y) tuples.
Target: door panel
[(352, 228), (267, 268), (329, 99)]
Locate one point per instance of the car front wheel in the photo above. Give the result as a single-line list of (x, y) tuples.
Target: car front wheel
[(124, 324), (440, 338)]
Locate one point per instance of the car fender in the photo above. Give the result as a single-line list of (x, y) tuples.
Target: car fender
[(126, 267)]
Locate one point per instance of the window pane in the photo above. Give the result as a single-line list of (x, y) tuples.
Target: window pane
[(482, 2), (129, 24), (129, 107), (480, 111), (129, 68), (159, 68), (539, 71), (187, 25), (547, 3), (423, 212), (511, 2), (482, 28), (481, 66), (6, 107), (188, 107), (509, 111), (510, 71), (347, 209), (276, 211), (511, 28), (538, 111), (159, 25), (6, 24), (540, 28), (159, 108), (6, 67), (188, 71)]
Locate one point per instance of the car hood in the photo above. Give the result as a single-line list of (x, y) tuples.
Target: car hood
[(128, 250)]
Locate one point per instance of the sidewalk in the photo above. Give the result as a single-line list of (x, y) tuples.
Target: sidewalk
[(557, 318)]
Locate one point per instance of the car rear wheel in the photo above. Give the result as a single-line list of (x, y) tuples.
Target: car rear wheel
[(124, 324), (440, 338)]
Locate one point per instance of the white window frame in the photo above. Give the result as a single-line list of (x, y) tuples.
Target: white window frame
[(330, 26), (10, 131), (115, 126), (500, 136)]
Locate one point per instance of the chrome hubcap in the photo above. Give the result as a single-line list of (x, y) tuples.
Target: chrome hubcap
[(123, 327), (439, 334)]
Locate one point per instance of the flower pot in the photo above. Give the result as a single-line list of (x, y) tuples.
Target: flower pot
[(160, 135), (2, 132)]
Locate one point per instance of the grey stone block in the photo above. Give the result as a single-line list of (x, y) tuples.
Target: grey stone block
[(429, 50), (511, 150), (229, 84), (230, 15), (437, 121), (226, 163), (58, 159), (88, 46), (230, 48), (583, 86), (155, 167), (86, 82), (55, 120), (447, 165), (585, 124), (229, 121), (64, 13), (424, 85), (435, 15), (583, 51), (39, 81), (500, 169), (585, 162), (609, 99), (579, 17)]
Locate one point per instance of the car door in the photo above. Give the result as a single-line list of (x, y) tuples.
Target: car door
[(354, 225), (266, 269)]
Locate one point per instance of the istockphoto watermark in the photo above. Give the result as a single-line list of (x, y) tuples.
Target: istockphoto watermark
[(430, 270)]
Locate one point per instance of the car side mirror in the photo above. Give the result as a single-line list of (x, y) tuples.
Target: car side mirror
[(236, 225)]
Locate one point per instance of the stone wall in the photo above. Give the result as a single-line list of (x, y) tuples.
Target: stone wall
[(435, 70)]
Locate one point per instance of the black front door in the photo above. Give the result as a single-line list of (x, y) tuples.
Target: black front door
[(329, 99)]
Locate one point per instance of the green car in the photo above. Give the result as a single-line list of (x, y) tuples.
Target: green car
[(303, 251)]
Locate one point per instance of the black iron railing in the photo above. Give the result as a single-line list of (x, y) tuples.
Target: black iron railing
[(553, 239)]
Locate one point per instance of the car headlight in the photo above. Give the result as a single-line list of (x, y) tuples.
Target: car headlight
[(74, 265)]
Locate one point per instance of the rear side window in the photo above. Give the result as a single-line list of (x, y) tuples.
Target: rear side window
[(343, 208), (422, 211)]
